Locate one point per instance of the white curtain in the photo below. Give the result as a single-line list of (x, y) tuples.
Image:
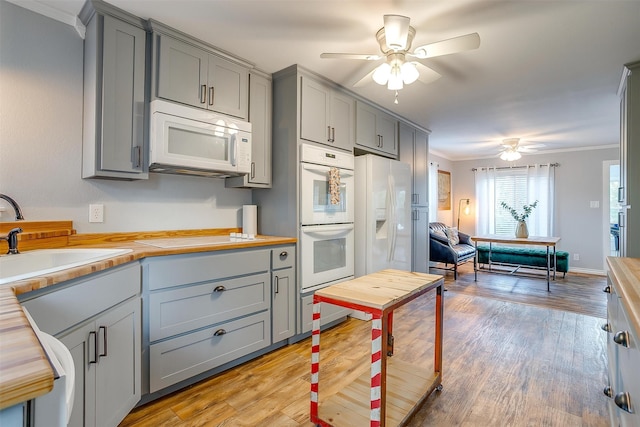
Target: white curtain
[(538, 184), (433, 192)]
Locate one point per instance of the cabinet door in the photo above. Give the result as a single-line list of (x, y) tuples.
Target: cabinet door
[(227, 90), (366, 133), (421, 168), (260, 118), (118, 375), (81, 343), (387, 129), (420, 240), (406, 142), (314, 111), (283, 306), (342, 121), (182, 72)]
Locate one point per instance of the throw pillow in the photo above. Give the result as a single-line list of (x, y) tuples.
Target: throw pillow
[(452, 235)]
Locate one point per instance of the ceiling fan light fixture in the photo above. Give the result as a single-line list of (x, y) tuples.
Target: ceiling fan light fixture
[(409, 73), (395, 78), (396, 30), (381, 74), (510, 155)]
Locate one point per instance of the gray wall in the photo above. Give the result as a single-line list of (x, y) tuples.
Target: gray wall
[(579, 180), (41, 144)]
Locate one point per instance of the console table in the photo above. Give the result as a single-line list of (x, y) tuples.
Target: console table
[(364, 401), (549, 242)]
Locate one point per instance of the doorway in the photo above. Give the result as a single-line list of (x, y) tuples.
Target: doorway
[(610, 208)]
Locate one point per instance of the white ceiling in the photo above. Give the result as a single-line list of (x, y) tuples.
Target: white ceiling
[(546, 71)]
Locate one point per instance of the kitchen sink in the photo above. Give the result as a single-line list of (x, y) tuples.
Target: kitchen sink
[(44, 261)]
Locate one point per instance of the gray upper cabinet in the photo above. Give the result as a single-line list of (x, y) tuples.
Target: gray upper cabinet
[(260, 94), (114, 93), (327, 116), (191, 75), (376, 130)]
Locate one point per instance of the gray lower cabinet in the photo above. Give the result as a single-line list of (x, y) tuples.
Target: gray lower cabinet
[(114, 93), (208, 309), (99, 319), (283, 288), (376, 131)]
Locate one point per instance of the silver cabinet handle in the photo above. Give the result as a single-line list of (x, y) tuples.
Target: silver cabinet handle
[(328, 133), (606, 327), (203, 94), (104, 340), (607, 289), (95, 348), (253, 170), (284, 254), (623, 401), (333, 134), (622, 338), (219, 333), (211, 94), (277, 288), (608, 391), (219, 288)]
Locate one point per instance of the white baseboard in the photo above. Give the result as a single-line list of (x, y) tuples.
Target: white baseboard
[(588, 271)]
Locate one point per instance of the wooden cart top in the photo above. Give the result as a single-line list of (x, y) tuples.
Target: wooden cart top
[(381, 290)]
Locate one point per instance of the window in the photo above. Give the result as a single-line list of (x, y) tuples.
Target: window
[(516, 187)]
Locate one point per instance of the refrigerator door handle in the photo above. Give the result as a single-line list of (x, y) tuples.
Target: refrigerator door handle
[(325, 230), (391, 208)]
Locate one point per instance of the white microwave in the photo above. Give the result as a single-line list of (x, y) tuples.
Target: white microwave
[(188, 140)]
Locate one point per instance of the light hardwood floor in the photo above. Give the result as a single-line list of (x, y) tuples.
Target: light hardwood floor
[(514, 355)]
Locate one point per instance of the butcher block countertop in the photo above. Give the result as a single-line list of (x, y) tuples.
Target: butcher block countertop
[(25, 372), (625, 272)]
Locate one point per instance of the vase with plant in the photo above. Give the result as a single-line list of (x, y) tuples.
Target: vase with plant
[(521, 229)]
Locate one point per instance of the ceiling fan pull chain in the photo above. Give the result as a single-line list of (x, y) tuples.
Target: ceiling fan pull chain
[(396, 100)]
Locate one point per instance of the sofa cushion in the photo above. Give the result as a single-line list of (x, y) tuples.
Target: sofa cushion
[(523, 256), (464, 251)]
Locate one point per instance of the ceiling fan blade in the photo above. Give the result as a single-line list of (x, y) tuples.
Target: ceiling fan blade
[(427, 75), (396, 31), (361, 56), (446, 47), (368, 78)]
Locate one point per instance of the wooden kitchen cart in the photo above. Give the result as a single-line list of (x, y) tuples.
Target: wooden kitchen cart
[(365, 400)]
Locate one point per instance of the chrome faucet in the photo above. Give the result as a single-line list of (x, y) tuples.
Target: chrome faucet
[(12, 240), (14, 205)]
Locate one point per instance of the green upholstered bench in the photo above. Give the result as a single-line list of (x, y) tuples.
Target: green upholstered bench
[(523, 256)]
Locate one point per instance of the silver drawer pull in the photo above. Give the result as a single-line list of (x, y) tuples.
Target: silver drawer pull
[(607, 289), (284, 254), (622, 338), (623, 401), (219, 289), (606, 327), (219, 333), (608, 391)]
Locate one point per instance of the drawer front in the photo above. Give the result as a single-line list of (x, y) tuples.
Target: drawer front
[(183, 357), (67, 306), (181, 310), (284, 257), (328, 313), (176, 270)]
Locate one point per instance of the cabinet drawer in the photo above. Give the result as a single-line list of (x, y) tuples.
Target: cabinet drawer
[(177, 311), (183, 357), (79, 300), (165, 272), (283, 257)]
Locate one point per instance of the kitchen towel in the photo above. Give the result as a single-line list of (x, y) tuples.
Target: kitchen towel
[(334, 186), (250, 219)]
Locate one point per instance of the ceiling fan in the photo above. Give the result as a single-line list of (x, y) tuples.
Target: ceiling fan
[(402, 65), (511, 149)]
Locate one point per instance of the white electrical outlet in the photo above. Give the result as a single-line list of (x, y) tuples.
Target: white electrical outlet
[(576, 257), (96, 213)]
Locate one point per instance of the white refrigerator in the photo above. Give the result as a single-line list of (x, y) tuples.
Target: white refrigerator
[(382, 214)]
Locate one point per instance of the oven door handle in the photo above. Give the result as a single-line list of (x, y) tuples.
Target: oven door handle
[(346, 173), (327, 230)]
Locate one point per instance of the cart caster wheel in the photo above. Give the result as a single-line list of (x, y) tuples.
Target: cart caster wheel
[(439, 388)]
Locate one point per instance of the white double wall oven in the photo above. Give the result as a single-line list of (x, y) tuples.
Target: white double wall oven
[(326, 216)]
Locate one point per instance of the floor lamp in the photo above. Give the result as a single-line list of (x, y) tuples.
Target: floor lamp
[(466, 209)]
